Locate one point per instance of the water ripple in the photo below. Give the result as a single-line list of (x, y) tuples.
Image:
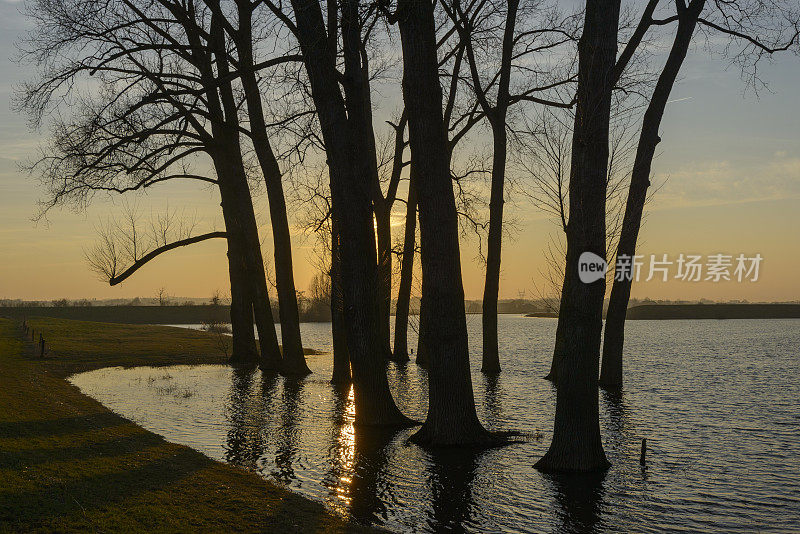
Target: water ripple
[(718, 402)]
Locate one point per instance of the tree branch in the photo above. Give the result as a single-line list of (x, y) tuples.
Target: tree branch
[(114, 280)]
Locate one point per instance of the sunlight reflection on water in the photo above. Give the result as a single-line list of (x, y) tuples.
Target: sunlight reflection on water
[(717, 400)]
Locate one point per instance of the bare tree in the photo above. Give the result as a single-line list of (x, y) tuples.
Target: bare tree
[(543, 157), (165, 97), (162, 297), (345, 119), (248, 67), (315, 207), (382, 205), (501, 42), (755, 30), (406, 277), (576, 444), (452, 419), (124, 246)]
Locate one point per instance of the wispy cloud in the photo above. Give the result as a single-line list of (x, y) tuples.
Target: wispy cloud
[(721, 182)]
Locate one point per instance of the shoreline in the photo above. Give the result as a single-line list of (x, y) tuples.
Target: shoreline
[(70, 464)]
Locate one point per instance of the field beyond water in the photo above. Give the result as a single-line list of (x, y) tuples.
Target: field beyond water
[(68, 464), (125, 314)]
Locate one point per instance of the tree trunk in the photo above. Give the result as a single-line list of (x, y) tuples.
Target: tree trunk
[(383, 226), (244, 349), (577, 445), (497, 119), (406, 279), (235, 192), (558, 349), (491, 356), (341, 359), (422, 355), (240, 220), (271, 358), (351, 175), (294, 362), (452, 419), (611, 370)]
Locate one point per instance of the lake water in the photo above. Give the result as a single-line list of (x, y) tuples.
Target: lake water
[(718, 401)]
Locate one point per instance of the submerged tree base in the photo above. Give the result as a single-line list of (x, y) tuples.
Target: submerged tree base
[(295, 371), (490, 369), (609, 385), (397, 422), (400, 357), (477, 438), (242, 361), (567, 462)]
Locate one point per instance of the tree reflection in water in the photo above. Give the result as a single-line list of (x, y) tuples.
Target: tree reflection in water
[(269, 421), (358, 456), (579, 503), (288, 433), (619, 437), (451, 473), (697, 476), (341, 449), (492, 398), (245, 440)]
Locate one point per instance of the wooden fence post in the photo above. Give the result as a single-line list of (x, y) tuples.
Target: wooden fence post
[(41, 345), (643, 453)]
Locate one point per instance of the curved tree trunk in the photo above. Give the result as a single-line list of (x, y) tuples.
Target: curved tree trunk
[(294, 362), (351, 163), (611, 370), (406, 279), (576, 444), (452, 419)]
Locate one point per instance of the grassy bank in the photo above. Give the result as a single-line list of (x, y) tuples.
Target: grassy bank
[(69, 464)]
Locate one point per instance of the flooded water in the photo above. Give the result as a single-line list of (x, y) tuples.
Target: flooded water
[(718, 401)]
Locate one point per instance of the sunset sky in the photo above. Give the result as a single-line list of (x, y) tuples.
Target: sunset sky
[(728, 171)]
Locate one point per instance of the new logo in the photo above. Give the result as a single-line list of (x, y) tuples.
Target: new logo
[(591, 267)]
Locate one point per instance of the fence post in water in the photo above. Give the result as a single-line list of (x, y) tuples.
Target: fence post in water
[(643, 454)]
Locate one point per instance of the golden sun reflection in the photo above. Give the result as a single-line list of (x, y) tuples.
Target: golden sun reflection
[(344, 457)]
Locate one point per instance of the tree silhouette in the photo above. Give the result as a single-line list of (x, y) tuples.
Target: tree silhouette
[(576, 444), (345, 119), (165, 98), (508, 39), (452, 419), (756, 30)]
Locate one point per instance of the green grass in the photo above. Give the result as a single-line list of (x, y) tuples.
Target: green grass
[(69, 464)]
